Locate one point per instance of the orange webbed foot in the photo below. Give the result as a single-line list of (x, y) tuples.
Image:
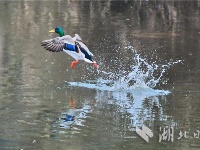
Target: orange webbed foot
[(74, 63), (95, 65)]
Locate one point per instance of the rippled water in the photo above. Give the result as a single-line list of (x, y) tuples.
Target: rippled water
[(148, 54)]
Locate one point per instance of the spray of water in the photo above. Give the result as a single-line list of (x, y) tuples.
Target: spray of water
[(143, 75), (130, 87)]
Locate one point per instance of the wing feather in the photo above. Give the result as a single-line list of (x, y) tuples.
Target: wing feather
[(54, 45), (57, 44), (78, 39)]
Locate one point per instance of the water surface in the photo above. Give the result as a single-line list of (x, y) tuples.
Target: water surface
[(38, 88)]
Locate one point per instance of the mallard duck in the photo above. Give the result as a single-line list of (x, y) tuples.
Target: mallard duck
[(75, 47)]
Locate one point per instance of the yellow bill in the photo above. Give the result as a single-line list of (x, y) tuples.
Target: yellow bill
[(52, 31)]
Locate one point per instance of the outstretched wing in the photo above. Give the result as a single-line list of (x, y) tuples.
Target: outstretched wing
[(78, 39), (53, 45), (57, 44)]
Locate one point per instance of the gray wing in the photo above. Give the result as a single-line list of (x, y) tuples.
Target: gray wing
[(78, 39), (68, 39), (57, 44), (54, 45)]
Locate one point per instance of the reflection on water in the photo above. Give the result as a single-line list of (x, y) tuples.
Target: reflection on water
[(36, 86)]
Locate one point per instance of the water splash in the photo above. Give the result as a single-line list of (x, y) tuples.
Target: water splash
[(130, 89), (143, 76)]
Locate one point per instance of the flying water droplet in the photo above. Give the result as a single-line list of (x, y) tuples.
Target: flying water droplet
[(143, 75)]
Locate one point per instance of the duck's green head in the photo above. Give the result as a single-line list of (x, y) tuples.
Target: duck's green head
[(58, 30)]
